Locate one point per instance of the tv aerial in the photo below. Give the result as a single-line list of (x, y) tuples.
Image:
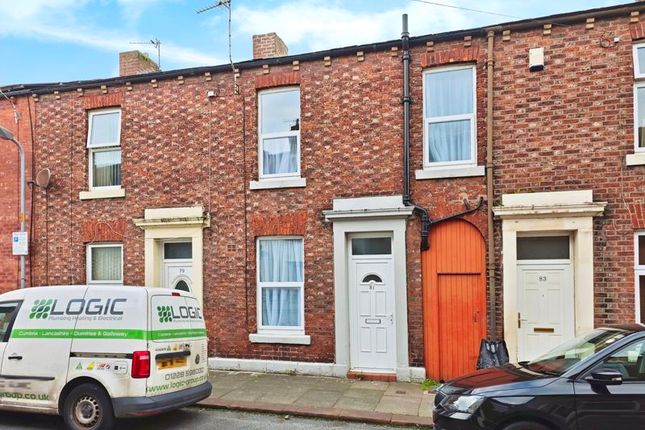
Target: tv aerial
[(227, 5), (154, 42)]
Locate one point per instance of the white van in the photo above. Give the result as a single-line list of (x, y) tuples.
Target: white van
[(95, 353)]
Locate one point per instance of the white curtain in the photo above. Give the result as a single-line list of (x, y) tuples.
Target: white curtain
[(105, 129), (449, 141), (280, 155), (281, 307), (107, 168), (281, 260), (106, 263), (449, 93)]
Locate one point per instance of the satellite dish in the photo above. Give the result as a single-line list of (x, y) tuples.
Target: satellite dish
[(43, 177)]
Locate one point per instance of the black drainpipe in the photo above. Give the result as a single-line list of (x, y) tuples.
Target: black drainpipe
[(407, 199)]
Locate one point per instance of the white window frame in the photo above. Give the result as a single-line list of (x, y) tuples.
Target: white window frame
[(637, 85), (639, 270), (638, 73), (88, 263), (280, 330), (433, 120), (262, 136), (91, 150)]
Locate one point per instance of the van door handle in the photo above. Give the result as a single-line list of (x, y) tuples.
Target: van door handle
[(15, 357)]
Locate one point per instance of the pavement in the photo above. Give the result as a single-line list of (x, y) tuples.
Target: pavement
[(391, 403)]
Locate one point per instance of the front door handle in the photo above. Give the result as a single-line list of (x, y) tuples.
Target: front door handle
[(15, 357)]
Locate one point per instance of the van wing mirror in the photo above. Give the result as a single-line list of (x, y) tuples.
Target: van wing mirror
[(605, 377)]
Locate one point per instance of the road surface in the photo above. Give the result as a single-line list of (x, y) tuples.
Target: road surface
[(193, 419)]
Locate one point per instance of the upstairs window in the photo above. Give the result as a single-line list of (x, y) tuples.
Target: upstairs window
[(449, 116), (639, 61), (639, 97), (639, 116), (279, 133), (104, 146)]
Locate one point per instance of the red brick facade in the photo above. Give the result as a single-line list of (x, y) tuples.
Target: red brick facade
[(10, 185), (568, 127)]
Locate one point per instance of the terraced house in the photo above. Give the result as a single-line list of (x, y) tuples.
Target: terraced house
[(369, 210)]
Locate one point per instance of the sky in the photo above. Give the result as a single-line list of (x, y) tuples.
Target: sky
[(67, 40)]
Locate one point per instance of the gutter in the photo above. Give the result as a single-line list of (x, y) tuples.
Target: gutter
[(407, 100), (490, 63)]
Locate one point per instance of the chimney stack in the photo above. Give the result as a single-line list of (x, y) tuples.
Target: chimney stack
[(268, 46), (136, 63)]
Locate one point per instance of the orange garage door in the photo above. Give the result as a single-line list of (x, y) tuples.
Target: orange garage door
[(454, 299)]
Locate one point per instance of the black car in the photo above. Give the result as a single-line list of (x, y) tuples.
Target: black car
[(593, 382)]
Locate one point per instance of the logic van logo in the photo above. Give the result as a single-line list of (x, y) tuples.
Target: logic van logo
[(165, 314), (168, 313), (41, 309), (87, 309)]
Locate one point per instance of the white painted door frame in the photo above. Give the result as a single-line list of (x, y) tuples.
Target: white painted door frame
[(563, 211), (362, 215), (171, 223), (368, 331)]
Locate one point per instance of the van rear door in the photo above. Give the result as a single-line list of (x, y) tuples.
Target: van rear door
[(177, 343)]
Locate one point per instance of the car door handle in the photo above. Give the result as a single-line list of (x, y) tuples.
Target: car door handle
[(15, 357)]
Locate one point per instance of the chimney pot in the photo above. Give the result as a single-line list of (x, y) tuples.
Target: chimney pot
[(268, 45), (136, 63)]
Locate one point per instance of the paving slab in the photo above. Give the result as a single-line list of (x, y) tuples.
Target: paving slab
[(370, 385), (244, 395), (319, 398), (425, 408), (282, 396), (358, 402), (399, 405), (403, 389)]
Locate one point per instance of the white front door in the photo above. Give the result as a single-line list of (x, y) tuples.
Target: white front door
[(372, 319), (178, 275), (177, 266), (546, 308)]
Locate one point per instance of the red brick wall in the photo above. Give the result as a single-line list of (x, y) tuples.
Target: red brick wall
[(9, 188), (181, 148), (569, 127)]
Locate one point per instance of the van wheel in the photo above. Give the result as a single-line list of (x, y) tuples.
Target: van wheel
[(88, 407)]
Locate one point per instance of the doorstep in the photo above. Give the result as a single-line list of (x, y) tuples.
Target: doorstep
[(369, 376), (379, 402)]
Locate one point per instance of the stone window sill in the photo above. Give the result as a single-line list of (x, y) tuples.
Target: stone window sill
[(292, 339), (450, 172), (637, 159), (267, 184), (102, 194)]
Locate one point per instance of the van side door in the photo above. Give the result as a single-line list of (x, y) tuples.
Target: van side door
[(8, 311), (37, 354)]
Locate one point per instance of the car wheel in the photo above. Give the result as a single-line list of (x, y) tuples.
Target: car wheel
[(88, 407), (526, 425)]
